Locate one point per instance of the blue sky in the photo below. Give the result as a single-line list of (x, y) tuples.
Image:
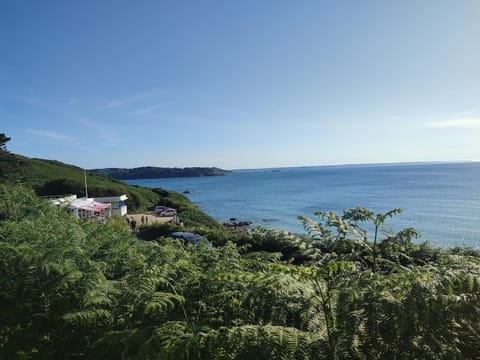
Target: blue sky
[(240, 84)]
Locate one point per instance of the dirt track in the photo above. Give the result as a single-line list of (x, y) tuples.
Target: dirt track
[(149, 218)]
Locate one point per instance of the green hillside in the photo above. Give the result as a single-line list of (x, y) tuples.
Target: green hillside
[(51, 177)]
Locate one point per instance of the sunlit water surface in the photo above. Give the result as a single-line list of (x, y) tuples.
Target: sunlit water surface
[(441, 200)]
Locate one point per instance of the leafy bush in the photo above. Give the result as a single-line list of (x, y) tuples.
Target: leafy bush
[(155, 231), (60, 187)]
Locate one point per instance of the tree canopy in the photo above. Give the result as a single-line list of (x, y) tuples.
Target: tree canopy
[(3, 141), (6, 159)]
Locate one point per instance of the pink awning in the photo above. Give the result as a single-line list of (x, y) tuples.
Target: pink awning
[(101, 206), (96, 206)]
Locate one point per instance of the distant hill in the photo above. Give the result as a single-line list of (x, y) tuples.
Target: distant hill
[(152, 172)]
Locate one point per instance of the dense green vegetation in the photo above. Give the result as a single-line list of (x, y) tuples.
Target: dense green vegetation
[(72, 289), (152, 172)]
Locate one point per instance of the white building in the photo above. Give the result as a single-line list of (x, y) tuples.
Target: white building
[(119, 204), (101, 207)]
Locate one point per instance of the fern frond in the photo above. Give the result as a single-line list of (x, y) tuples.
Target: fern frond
[(89, 317)]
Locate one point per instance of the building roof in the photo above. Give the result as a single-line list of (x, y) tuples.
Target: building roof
[(89, 204), (111, 198)]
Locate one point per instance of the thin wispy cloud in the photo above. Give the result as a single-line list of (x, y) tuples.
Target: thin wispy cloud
[(469, 123), (465, 113), (105, 134), (149, 109), (32, 100), (49, 134), (73, 101), (116, 103)]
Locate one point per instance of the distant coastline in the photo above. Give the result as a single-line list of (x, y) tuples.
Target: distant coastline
[(352, 165), (152, 172)]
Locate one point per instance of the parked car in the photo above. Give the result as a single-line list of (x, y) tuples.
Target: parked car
[(160, 208), (192, 238), (167, 212)]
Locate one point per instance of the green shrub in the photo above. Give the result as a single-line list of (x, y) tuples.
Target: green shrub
[(60, 186), (154, 231)]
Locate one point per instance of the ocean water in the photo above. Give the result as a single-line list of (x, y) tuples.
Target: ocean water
[(441, 200)]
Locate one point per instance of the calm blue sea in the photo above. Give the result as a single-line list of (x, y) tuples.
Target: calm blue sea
[(441, 200)]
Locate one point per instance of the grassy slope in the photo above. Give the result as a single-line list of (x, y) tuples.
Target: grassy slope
[(51, 177)]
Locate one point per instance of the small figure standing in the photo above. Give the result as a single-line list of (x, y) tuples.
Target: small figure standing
[(146, 219), (133, 225), (142, 219)]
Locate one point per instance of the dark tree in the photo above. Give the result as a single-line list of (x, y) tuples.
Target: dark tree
[(3, 141), (7, 160)]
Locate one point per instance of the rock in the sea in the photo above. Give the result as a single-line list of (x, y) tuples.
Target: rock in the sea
[(240, 226), (237, 224)]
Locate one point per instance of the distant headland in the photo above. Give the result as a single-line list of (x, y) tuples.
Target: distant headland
[(152, 172)]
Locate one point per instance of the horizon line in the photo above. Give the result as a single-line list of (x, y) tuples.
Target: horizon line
[(393, 163)]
